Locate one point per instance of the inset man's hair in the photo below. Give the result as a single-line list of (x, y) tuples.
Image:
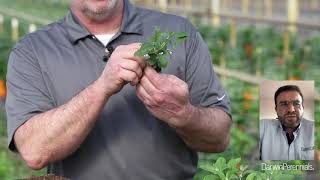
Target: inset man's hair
[(286, 88)]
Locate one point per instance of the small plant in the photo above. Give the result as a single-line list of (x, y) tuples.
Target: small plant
[(156, 49), (233, 169), (222, 169)]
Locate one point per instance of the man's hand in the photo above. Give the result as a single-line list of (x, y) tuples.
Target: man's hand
[(122, 68), (166, 97)]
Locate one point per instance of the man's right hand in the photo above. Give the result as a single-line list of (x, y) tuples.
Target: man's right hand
[(122, 68)]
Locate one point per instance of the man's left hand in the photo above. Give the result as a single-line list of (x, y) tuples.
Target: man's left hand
[(166, 97)]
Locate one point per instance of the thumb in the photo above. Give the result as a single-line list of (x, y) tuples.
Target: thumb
[(152, 75)]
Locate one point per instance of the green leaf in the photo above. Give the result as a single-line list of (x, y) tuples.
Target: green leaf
[(233, 163), (212, 169), (152, 61), (209, 177), (157, 47), (243, 167), (157, 34), (263, 176), (181, 35), (207, 167), (233, 171), (248, 172), (200, 175), (231, 174), (144, 49), (283, 176), (220, 174), (251, 176), (139, 53), (221, 163), (163, 62)]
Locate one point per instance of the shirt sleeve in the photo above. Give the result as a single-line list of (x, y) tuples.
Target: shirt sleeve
[(204, 86), (27, 93)]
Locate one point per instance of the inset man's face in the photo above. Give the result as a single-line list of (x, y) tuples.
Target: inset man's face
[(96, 9), (289, 108)]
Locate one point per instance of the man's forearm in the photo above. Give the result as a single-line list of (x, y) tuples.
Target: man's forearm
[(53, 135), (208, 129)]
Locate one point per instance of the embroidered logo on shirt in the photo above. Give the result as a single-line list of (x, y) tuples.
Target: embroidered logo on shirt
[(219, 99)]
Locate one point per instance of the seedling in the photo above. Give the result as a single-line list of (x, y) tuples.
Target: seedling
[(156, 49)]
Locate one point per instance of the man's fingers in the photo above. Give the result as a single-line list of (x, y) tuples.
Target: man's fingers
[(134, 82), (153, 76), (132, 65), (129, 76), (148, 86), (144, 96), (141, 61), (127, 52), (133, 46)]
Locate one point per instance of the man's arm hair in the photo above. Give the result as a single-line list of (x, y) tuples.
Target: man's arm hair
[(55, 134), (208, 130)]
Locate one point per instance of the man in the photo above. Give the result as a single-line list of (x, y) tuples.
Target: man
[(86, 115), (290, 136)]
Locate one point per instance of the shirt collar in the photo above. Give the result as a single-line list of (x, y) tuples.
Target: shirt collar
[(280, 127), (74, 27), (130, 23)]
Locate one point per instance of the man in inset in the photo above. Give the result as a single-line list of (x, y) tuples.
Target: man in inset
[(81, 103), (290, 136)]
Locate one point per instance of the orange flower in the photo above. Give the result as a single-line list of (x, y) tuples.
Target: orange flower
[(247, 96), (3, 89)]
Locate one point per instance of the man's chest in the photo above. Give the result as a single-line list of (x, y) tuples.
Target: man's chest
[(69, 68)]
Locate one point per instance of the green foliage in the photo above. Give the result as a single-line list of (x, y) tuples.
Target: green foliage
[(274, 175), (219, 170), (260, 51), (46, 9), (217, 41), (222, 169), (6, 166), (312, 49), (242, 143), (11, 165), (5, 46), (156, 49)]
